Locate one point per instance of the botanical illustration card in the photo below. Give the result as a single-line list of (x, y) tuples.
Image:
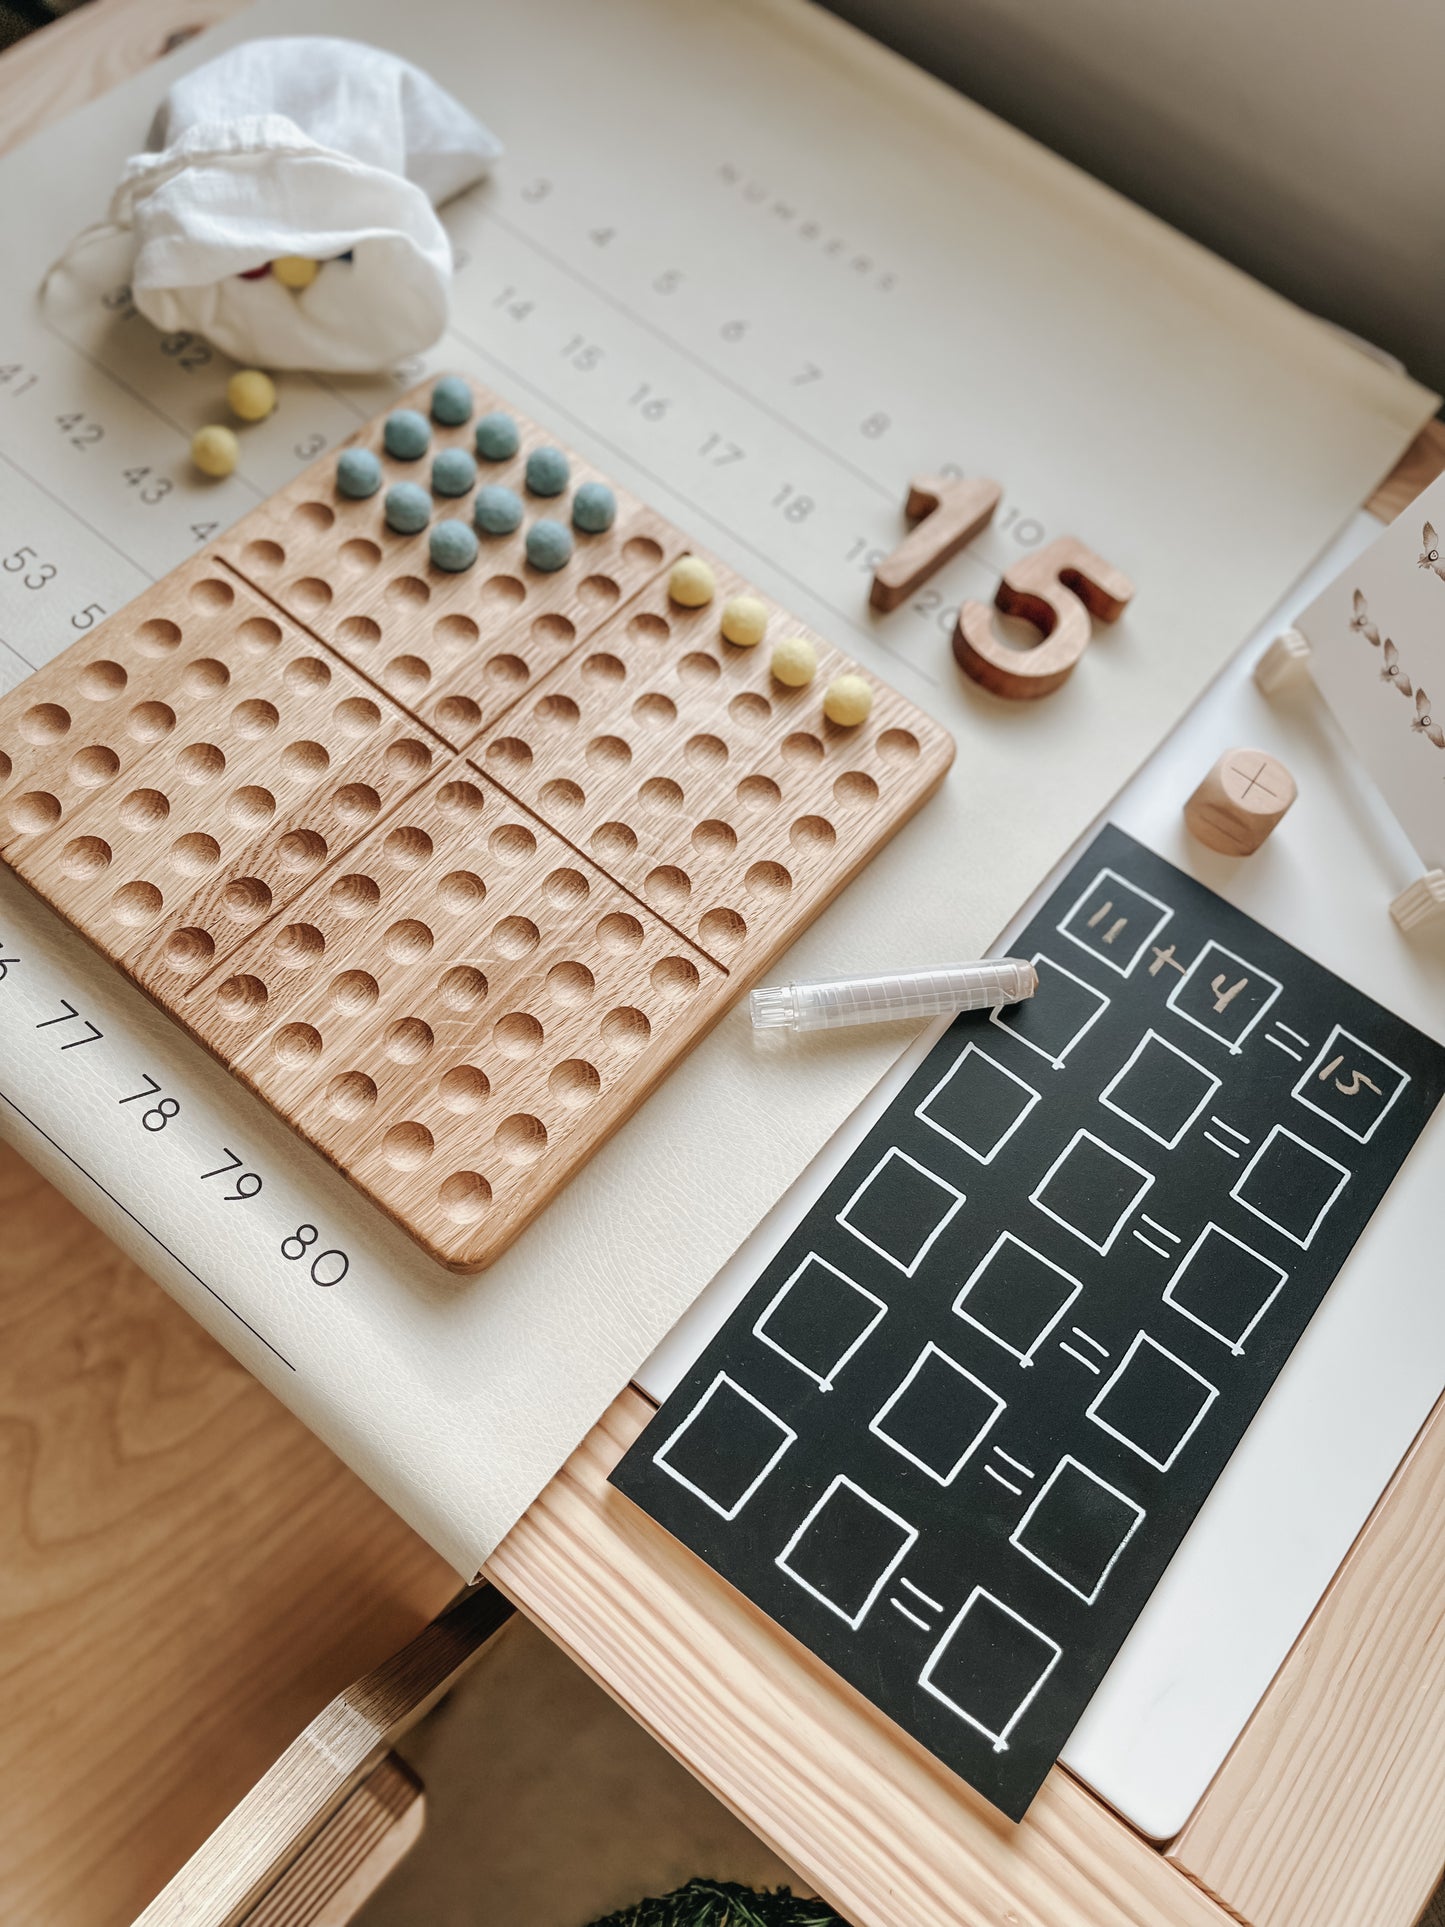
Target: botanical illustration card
[(1378, 641)]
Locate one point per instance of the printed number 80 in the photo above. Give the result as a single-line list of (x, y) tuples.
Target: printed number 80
[(302, 1238)]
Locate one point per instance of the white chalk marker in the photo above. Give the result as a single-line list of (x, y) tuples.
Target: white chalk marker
[(905, 993)]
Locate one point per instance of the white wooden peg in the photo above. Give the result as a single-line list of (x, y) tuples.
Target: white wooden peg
[(1286, 661), (1286, 664), (1421, 902)]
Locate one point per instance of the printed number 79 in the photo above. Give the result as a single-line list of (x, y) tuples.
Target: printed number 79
[(247, 1185)]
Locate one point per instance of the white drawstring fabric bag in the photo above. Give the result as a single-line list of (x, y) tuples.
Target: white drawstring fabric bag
[(313, 147)]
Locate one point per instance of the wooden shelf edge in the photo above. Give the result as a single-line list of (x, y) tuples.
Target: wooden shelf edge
[(1326, 1812), (883, 1830), (1416, 469)]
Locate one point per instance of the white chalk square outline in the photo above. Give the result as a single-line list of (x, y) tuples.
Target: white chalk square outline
[(1308, 1077), (855, 1620), (1236, 1345), (1124, 970), (1036, 1195), (976, 1050), (958, 1199), (1160, 1465), (659, 1457), (1170, 1143), (1244, 964), (925, 1680), (1008, 1238), (876, 1426), (1237, 1189), (825, 1383), (1016, 1536), (999, 1013)]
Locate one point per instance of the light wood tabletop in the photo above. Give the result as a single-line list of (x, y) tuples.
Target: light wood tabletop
[(189, 1576)]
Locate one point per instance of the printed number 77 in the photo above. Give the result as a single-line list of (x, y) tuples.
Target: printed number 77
[(247, 1185)]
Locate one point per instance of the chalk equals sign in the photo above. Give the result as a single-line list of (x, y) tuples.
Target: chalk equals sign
[(1014, 1465), (910, 1608), (1219, 1143), (1084, 1339), (1162, 1231), (1277, 1035)]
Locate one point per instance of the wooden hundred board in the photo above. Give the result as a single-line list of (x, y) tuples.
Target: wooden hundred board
[(450, 869)]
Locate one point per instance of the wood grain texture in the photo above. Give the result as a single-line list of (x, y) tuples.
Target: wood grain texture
[(457, 649), (93, 714), (76, 58), (454, 998), (1239, 802), (725, 801), (949, 511), (1057, 590), (460, 1018), (885, 1832), (343, 1865), (261, 759), (1327, 1812), (186, 1574), (1420, 903), (1420, 465), (285, 1810)]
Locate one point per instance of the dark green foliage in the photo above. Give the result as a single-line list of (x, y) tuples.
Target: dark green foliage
[(722, 1903)]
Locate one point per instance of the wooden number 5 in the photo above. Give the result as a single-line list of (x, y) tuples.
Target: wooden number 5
[(1057, 589)]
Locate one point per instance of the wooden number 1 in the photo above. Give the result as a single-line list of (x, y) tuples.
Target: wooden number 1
[(949, 511), (1057, 589)]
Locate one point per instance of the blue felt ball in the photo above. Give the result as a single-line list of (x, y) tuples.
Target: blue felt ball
[(549, 545), (358, 473), (594, 507), (497, 437), (453, 472), (406, 435), (547, 471), (451, 401), (453, 546), (408, 508), (497, 510)]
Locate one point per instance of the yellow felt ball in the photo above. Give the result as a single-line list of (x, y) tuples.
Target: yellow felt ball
[(251, 394), (847, 701), (692, 582), (744, 619), (795, 661), (215, 450), (295, 271)]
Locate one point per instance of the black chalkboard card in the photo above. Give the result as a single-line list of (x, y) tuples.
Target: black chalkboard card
[(955, 1432)]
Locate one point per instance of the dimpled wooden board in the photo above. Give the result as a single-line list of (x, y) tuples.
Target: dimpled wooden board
[(449, 869), (457, 650)]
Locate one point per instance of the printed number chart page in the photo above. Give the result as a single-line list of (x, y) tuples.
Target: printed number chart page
[(762, 273)]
